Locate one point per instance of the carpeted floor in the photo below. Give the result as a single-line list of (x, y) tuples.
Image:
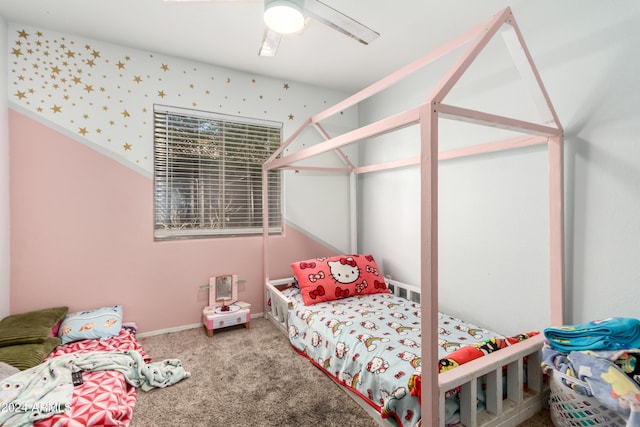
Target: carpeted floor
[(541, 419), (237, 381)]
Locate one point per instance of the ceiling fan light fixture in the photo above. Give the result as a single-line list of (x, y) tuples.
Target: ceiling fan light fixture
[(284, 16)]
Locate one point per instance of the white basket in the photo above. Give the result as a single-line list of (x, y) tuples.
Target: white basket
[(569, 408)]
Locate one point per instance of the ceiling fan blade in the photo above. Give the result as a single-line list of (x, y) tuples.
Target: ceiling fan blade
[(270, 43), (339, 21)]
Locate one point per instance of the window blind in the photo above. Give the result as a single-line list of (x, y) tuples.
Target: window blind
[(208, 174)]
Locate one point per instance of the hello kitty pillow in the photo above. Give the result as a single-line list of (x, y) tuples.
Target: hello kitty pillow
[(328, 279)]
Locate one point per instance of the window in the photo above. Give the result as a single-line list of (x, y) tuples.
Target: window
[(208, 174)]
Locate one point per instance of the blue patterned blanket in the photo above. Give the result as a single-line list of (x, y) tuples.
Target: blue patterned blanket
[(371, 345)]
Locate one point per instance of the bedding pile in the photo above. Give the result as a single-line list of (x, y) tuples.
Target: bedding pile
[(46, 389), (603, 355), (96, 344)]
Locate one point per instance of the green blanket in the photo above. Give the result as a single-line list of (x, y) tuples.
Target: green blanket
[(46, 389)]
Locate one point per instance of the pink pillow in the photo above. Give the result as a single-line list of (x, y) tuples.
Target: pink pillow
[(328, 279)]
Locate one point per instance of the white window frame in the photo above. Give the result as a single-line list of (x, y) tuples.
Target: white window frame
[(207, 174)]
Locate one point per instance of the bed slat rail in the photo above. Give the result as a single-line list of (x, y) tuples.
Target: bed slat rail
[(519, 387), (277, 305)]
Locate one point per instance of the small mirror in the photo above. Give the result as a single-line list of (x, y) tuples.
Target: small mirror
[(223, 290)]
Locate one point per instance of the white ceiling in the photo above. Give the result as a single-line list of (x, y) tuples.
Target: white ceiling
[(228, 32)]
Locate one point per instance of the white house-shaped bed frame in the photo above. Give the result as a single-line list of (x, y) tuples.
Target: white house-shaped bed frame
[(427, 116)]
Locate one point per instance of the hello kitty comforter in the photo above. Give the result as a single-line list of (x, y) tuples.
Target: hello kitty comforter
[(371, 345)]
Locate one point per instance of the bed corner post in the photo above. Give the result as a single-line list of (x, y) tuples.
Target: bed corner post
[(430, 406), (353, 212), (556, 229), (265, 234)]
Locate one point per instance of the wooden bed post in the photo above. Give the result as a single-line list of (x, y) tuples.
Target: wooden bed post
[(556, 229), (353, 213), (430, 406), (265, 234)]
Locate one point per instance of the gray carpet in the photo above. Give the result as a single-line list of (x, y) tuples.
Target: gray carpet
[(242, 378), (246, 378)]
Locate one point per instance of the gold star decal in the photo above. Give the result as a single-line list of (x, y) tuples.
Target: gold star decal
[(21, 95), (120, 65), (70, 54), (95, 54), (161, 94), (286, 86), (291, 116), (127, 147), (137, 79), (88, 88), (83, 131), (164, 67), (55, 69), (23, 34), (91, 63), (56, 108), (16, 52), (125, 113)]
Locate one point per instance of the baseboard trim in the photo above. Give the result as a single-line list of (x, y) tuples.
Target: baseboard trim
[(182, 328)]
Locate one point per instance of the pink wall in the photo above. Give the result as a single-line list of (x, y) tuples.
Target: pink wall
[(82, 236)]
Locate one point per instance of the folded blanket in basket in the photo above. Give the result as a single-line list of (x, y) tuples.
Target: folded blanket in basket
[(609, 334), (598, 377), (609, 385)]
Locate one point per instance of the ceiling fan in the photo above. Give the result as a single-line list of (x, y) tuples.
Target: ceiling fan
[(283, 17)]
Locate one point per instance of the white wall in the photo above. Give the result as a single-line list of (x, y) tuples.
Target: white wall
[(4, 177), (493, 214)]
